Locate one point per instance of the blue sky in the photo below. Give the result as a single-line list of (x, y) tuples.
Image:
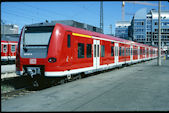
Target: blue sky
[(23, 13)]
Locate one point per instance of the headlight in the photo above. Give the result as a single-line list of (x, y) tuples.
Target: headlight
[(52, 60)]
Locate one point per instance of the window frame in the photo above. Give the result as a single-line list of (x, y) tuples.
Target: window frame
[(102, 50), (68, 40), (89, 50), (82, 47), (5, 49), (13, 48), (112, 50)]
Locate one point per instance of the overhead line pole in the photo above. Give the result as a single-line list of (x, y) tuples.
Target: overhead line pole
[(159, 34), (123, 12), (101, 16)]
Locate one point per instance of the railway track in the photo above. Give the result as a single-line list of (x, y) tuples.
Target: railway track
[(29, 88), (22, 85), (14, 93)]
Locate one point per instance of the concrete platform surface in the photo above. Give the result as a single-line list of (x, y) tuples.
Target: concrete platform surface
[(139, 87), (8, 71)]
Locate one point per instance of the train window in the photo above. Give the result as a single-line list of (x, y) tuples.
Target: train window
[(123, 51), (126, 52), (95, 50), (89, 50), (119, 51), (102, 51), (13, 48), (131, 51), (68, 41), (39, 35), (112, 50), (136, 52), (80, 50), (140, 51), (4, 48)]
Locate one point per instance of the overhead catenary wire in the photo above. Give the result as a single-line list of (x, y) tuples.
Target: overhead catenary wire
[(52, 12), (26, 16), (46, 12)]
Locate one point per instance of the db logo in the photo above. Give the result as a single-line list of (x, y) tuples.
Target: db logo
[(32, 61)]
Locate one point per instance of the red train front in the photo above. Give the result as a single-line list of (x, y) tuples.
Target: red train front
[(41, 51)]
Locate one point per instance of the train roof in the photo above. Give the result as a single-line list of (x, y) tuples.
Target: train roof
[(86, 32), (82, 31)]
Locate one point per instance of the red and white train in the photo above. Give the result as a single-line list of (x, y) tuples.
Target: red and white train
[(57, 50), (8, 51)]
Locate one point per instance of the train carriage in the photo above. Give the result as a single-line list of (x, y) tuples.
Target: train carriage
[(12, 50), (57, 50), (8, 51), (4, 51)]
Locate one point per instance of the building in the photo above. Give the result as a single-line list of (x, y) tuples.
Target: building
[(10, 37), (122, 29), (9, 29), (144, 27), (9, 32)]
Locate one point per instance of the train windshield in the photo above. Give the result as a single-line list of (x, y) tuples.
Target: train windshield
[(37, 35)]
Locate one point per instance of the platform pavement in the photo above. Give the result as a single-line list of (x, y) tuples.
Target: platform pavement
[(8, 68), (8, 71), (139, 87)]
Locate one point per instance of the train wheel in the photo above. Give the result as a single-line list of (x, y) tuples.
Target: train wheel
[(62, 81), (79, 76)]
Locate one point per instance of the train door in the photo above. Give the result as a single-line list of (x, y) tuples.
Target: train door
[(13, 51), (149, 53), (138, 53), (5, 51), (116, 53), (69, 44), (96, 54), (145, 53), (131, 55)]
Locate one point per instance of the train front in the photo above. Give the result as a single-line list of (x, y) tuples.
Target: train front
[(33, 47)]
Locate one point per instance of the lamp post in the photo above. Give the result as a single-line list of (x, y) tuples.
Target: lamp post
[(159, 35)]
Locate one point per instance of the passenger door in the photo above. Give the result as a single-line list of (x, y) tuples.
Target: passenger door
[(138, 53), (69, 44), (116, 53), (96, 54), (131, 54)]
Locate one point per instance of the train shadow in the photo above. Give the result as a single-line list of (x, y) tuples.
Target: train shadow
[(16, 82)]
